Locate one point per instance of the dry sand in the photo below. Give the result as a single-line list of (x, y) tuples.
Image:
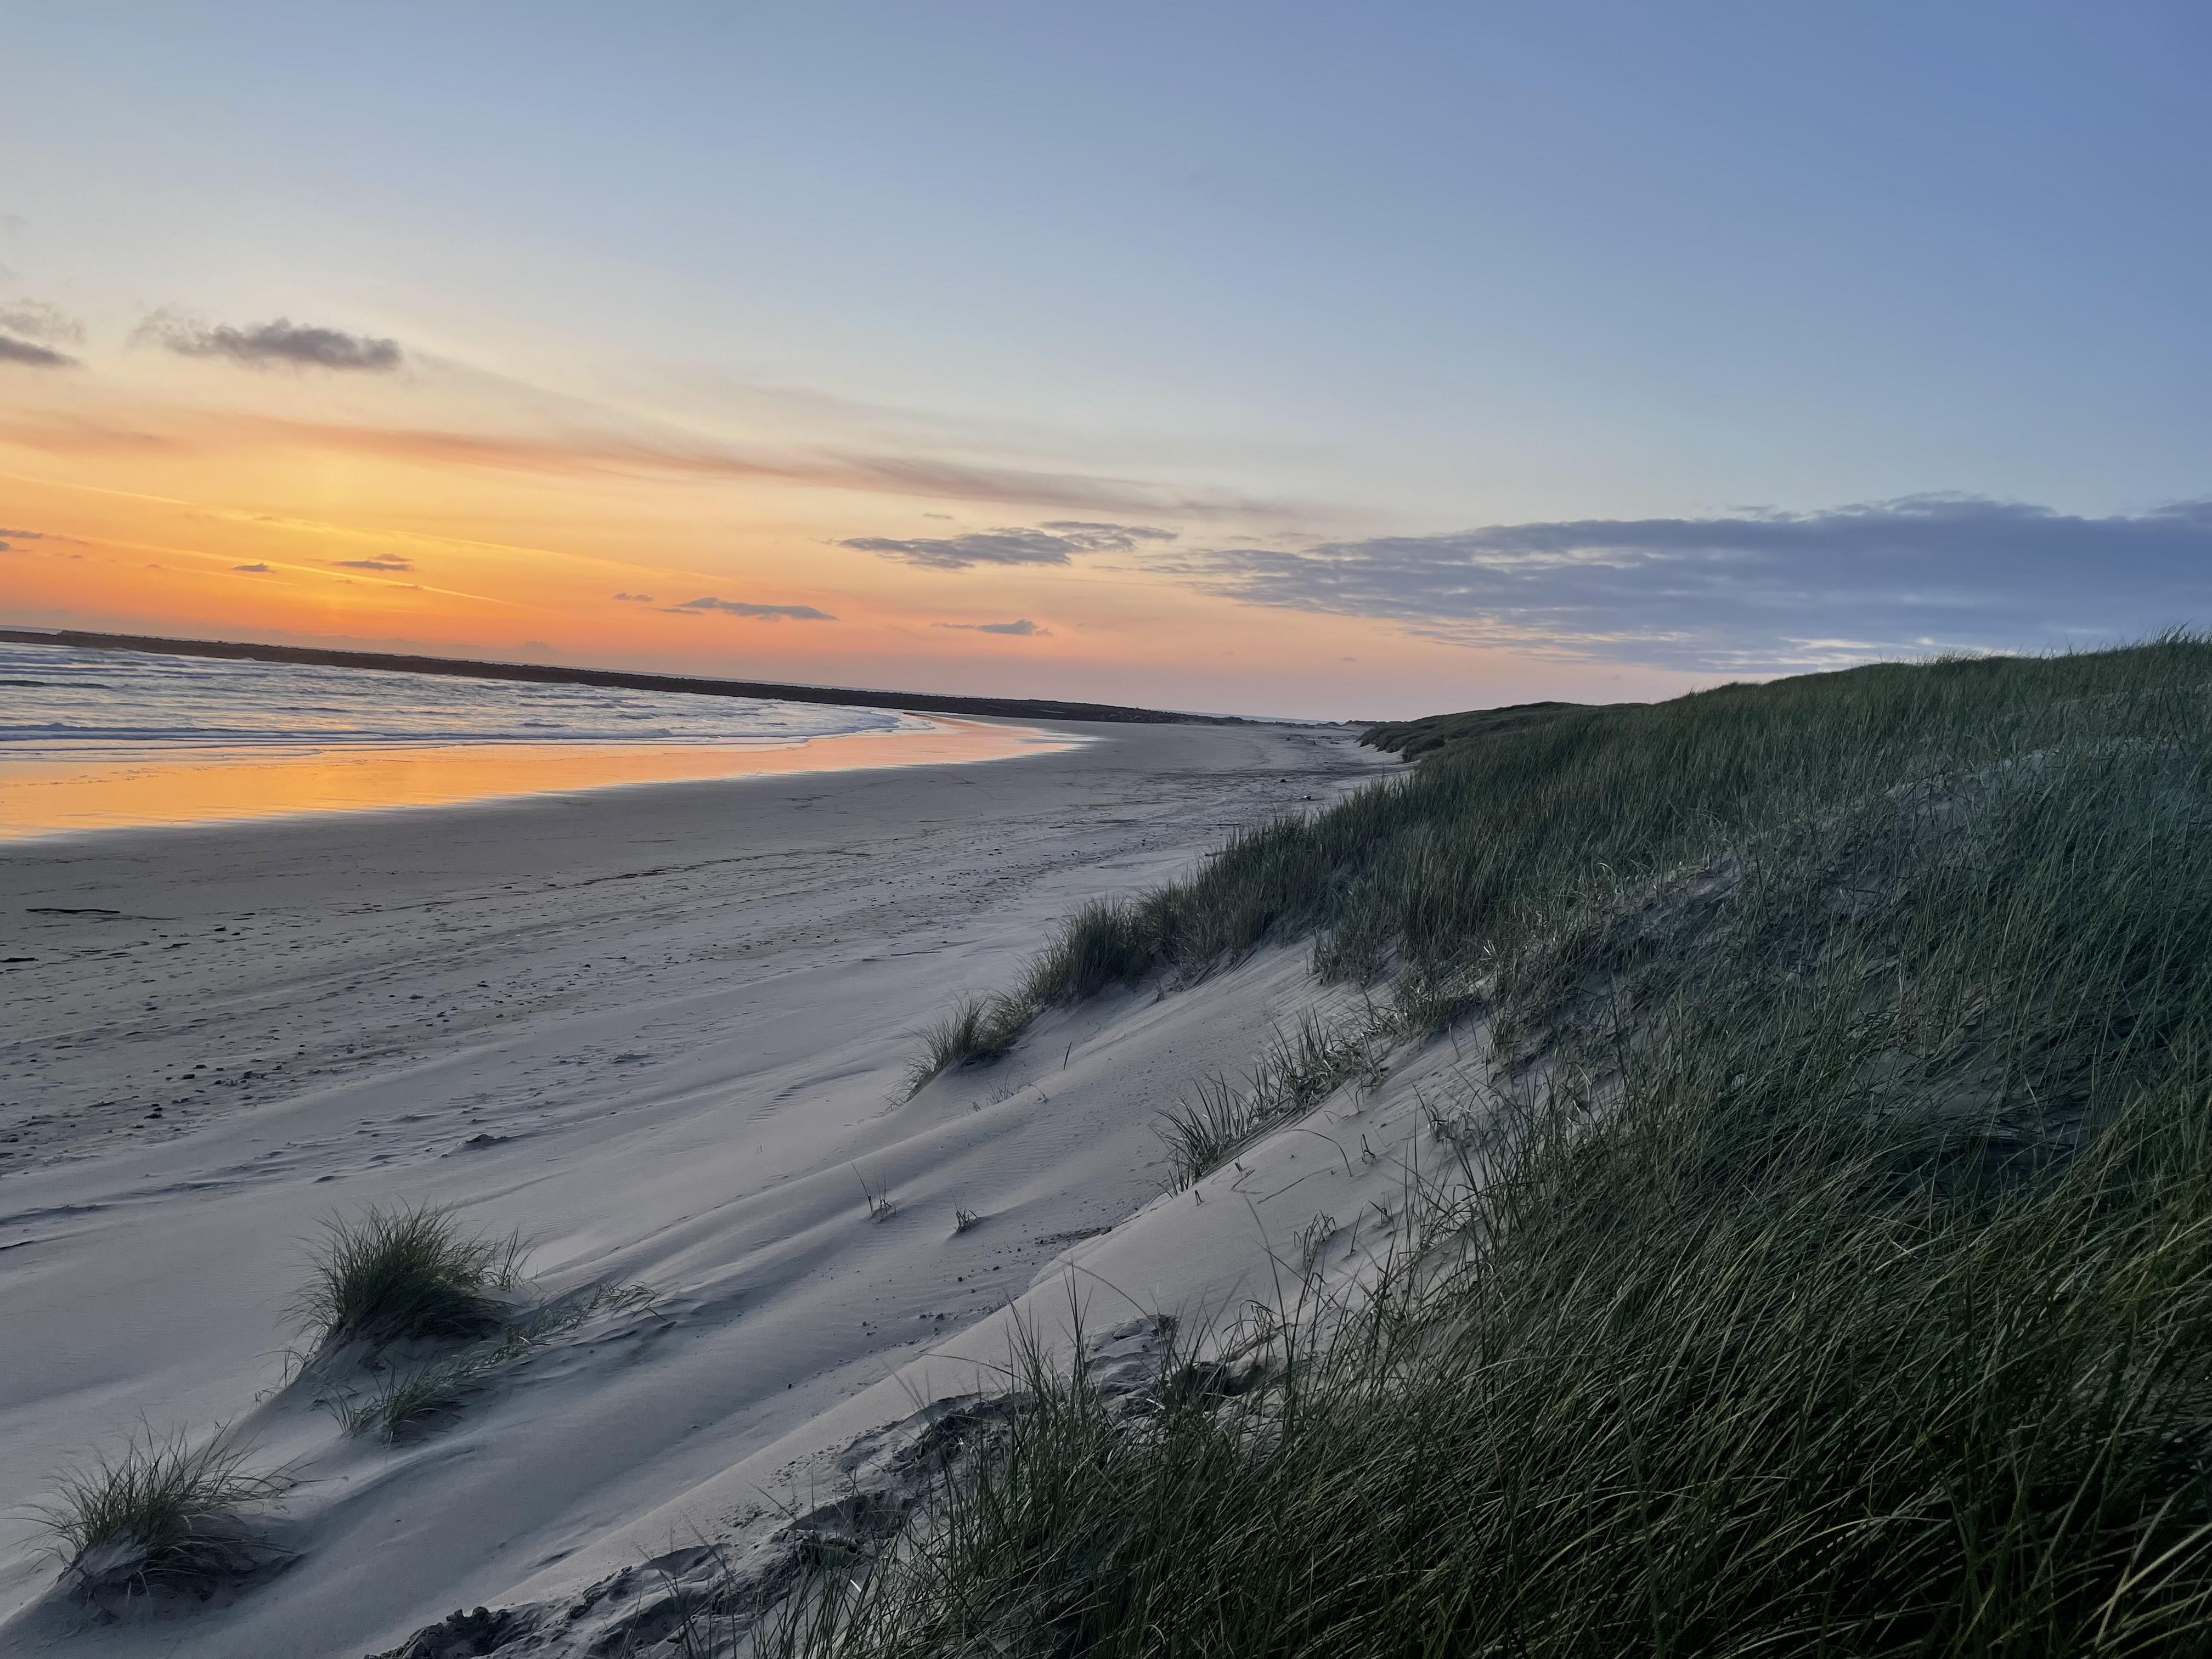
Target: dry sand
[(661, 1030)]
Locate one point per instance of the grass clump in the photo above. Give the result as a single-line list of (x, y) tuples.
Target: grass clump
[(408, 1399), (1106, 942), (161, 1514), (405, 1401), (979, 1030), (389, 1275), (1417, 740), (1829, 1269), (1293, 1074)]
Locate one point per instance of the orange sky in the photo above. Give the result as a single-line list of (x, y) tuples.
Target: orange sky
[(442, 508), (1370, 361)]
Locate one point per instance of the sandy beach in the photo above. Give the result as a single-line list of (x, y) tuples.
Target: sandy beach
[(661, 1030)]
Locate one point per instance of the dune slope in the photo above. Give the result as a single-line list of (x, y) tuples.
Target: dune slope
[(659, 1031)]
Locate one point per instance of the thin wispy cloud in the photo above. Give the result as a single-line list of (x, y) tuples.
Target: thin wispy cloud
[(1056, 542), (636, 598), (635, 453), (281, 344), (1759, 591), (1119, 538), (757, 612), (1024, 629), (386, 562), (34, 319), (29, 355), (251, 569)]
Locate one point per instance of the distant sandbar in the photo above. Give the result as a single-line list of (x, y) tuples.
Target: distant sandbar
[(910, 701)]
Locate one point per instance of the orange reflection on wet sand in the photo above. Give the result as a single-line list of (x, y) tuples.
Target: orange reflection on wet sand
[(49, 797)]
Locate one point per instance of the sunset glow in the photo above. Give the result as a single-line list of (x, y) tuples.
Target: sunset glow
[(55, 797), (864, 830), (1319, 389), (279, 522)]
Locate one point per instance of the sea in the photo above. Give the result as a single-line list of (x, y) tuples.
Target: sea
[(92, 739)]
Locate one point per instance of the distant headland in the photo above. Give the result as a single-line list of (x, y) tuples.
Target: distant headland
[(464, 668)]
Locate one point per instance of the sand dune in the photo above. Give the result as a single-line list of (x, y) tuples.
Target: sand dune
[(1300, 1213), (661, 1030)]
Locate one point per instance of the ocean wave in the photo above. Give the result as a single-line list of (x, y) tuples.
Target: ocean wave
[(82, 700)]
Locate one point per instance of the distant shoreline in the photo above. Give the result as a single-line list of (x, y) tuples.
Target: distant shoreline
[(694, 686)]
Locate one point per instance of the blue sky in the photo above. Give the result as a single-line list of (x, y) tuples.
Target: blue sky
[(1301, 276)]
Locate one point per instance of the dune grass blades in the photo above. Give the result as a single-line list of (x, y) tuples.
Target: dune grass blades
[(1432, 878), (978, 1029), (1294, 1073), (410, 1397), (1828, 1263), (1106, 943), (160, 1513), (388, 1275)]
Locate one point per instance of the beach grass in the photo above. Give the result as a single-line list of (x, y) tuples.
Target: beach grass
[(164, 1513), (1417, 738), (979, 1030), (404, 1402), (411, 1396), (1293, 1073), (410, 1271), (1105, 943), (1819, 1260)]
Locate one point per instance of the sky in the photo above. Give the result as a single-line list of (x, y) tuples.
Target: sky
[(1331, 361)]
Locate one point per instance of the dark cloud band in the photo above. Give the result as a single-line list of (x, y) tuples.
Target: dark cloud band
[(757, 612), (1055, 542), (282, 344), (33, 356), (1760, 591), (1024, 629), (34, 319)]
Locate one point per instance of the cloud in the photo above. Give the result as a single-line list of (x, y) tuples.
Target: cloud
[(1024, 628), (33, 356), (1760, 589), (1051, 544), (7, 535), (280, 343), (652, 452), (243, 569), (757, 612), (636, 598), (1122, 537), (34, 319), (382, 562)]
